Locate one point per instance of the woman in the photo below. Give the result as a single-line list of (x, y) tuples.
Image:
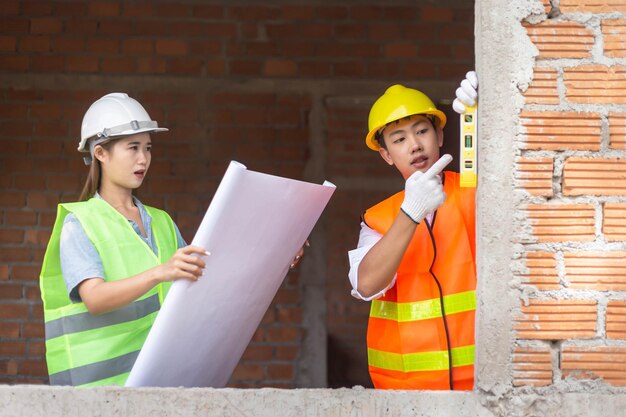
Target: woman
[(110, 259)]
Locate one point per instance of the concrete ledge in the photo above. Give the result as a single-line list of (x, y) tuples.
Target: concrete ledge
[(34, 401)]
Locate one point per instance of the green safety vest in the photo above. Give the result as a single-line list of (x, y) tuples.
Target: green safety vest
[(87, 350)]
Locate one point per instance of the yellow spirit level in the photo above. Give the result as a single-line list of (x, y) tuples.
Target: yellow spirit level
[(468, 147)]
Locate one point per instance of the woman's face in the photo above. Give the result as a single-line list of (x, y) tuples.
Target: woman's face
[(126, 163)]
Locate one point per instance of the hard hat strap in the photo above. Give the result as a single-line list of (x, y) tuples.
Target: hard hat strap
[(108, 133), (126, 127)]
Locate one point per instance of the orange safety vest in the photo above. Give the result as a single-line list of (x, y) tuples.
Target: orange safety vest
[(421, 332)]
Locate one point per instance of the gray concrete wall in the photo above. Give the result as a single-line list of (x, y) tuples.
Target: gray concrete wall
[(67, 402)]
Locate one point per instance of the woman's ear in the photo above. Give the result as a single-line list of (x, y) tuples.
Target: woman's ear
[(99, 153)]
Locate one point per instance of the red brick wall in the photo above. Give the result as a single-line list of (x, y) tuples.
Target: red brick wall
[(572, 320), (232, 81)]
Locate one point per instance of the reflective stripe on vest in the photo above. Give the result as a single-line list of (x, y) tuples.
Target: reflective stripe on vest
[(83, 349), (86, 374), (86, 321), (423, 310), (420, 361)]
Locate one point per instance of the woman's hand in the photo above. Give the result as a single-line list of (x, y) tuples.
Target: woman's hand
[(299, 255), (184, 264)]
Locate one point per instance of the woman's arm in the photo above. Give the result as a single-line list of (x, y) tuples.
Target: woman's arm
[(102, 296)]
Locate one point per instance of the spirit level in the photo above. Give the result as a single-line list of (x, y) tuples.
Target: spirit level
[(468, 147)]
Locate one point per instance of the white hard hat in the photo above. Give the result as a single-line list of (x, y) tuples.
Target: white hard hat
[(114, 115)]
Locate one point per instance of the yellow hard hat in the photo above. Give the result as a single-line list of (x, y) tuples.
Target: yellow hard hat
[(397, 103)]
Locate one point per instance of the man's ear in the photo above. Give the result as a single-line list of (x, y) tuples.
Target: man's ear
[(440, 136), (384, 153)]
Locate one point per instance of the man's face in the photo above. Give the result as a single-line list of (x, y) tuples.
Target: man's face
[(412, 144)]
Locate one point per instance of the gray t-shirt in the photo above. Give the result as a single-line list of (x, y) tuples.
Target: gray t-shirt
[(80, 259)]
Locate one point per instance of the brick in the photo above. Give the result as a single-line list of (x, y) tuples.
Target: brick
[(280, 372), (208, 11), (138, 46), (9, 329), (557, 320), (333, 13), (296, 12), (82, 64), (10, 292), (10, 7), (33, 330), (4, 272), (257, 353), (561, 39), (47, 63), (34, 44), (81, 26), (104, 9), (606, 362), (171, 47), (34, 368), (532, 366), (617, 130), (8, 43), (11, 254), (13, 311), (12, 199), (25, 273), (284, 334), (116, 28), (184, 66), (255, 13), (70, 9), (384, 32), (592, 6), (30, 182), (542, 271), (561, 130), (239, 67), (535, 175), (436, 14), (594, 176), (151, 65), (614, 223), (596, 270), (9, 367), (614, 32), (45, 25), (287, 353), (173, 10), (12, 348), (542, 89), (316, 31), (595, 84), (14, 63), (8, 236), (616, 319), (14, 25), (562, 222), (117, 65), (400, 50), (247, 372), (279, 67)]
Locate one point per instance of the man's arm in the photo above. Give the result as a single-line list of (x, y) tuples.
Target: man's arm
[(423, 195)]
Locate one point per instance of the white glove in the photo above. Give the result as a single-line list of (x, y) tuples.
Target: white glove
[(467, 93), (423, 191)]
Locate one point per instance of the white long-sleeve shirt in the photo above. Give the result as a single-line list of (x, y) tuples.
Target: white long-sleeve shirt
[(368, 237)]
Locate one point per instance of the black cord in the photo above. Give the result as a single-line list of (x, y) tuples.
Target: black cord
[(443, 310)]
